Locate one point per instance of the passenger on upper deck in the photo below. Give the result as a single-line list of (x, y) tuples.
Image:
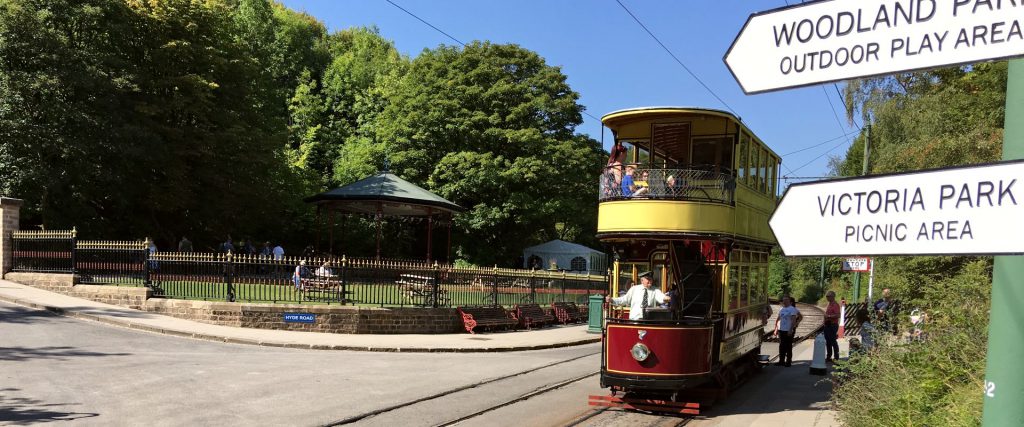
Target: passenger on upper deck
[(643, 186), (611, 180), (628, 186)]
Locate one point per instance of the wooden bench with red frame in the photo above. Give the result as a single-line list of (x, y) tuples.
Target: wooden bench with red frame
[(566, 312), (531, 315), (486, 318)]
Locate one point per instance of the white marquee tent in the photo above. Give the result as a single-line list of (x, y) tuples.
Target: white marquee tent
[(565, 256)]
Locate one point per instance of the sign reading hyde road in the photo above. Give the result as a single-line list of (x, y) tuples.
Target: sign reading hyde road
[(835, 40), (966, 210)]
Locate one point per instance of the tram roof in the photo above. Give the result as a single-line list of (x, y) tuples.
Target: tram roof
[(616, 117)]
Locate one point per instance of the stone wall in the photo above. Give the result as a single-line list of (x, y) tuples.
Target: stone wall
[(124, 296), (10, 214), (330, 319)]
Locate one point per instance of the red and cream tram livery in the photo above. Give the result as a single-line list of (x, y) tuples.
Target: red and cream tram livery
[(686, 196)]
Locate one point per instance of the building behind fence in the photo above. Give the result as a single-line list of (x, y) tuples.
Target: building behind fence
[(320, 280)]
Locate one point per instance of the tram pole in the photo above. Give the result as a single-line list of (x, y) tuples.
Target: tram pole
[(1004, 380), (863, 171)]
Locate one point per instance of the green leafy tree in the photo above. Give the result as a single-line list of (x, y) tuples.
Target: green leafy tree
[(490, 127)]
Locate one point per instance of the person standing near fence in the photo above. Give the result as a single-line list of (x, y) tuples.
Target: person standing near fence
[(785, 328), (185, 245), (831, 328)]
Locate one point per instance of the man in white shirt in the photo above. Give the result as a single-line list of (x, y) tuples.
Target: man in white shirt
[(278, 252), (785, 327), (639, 297)]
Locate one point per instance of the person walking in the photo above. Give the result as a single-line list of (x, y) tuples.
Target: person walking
[(785, 327), (831, 328), (640, 297), (185, 245)]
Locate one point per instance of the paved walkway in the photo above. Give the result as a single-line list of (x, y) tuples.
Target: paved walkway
[(557, 336)]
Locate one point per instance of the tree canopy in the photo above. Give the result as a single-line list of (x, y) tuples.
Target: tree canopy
[(174, 117)]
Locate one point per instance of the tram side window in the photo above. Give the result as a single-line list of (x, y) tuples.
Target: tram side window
[(750, 278), (773, 170), (755, 152), (734, 283), (741, 159), (763, 171)]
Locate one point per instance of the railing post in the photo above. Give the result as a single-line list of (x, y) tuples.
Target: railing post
[(563, 286), (437, 288), (145, 262), (533, 285), (494, 286), (74, 250), (229, 273), (344, 279)]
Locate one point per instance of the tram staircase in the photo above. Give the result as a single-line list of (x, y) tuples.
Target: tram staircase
[(696, 284)]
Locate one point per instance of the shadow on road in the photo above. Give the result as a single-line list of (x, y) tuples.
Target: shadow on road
[(24, 411), (17, 354)]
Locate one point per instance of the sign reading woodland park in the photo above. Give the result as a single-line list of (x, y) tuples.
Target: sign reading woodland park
[(834, 40)]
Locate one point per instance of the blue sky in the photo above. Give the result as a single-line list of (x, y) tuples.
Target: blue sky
[(613, 64)]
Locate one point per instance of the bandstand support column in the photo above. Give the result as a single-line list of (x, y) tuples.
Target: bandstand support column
[(430, 232), (448, 256), (377, 218), (330, 231), (319, 230)]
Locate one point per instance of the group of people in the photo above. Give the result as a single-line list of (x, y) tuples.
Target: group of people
[(625, 181), (302, 271)]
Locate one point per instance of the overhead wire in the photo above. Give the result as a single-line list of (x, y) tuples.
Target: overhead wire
[(675, 58), (425, 22)]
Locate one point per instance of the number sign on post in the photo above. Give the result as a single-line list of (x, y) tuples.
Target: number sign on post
[(827, 41)]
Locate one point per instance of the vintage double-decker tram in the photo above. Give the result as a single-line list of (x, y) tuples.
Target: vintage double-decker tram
[(696, 215)]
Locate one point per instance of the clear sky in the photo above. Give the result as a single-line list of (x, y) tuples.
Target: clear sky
[(614, 64)]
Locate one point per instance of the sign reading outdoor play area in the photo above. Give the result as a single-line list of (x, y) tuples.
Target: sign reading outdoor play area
[(835, 40), (860, 264), (964, 210)]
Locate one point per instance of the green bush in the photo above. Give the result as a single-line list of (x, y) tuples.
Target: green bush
[(935, 381)]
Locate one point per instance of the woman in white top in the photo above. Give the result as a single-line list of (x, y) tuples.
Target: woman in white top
[(785, 328)]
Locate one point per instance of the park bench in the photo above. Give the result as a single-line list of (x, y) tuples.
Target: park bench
[(323, 288), (566, 312), (486, 318), (531, 315), (420, 290)]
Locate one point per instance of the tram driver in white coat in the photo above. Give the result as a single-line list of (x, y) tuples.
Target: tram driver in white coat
[(641, 296)]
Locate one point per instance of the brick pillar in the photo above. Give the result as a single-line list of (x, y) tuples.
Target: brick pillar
[(10, 212)]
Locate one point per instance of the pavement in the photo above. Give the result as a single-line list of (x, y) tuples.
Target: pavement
[(551, 337)]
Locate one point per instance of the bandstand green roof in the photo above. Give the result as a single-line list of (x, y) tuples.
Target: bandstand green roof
[(385, 193)]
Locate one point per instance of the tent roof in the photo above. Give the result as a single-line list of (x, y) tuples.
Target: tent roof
[(386, 191), (560, 247)]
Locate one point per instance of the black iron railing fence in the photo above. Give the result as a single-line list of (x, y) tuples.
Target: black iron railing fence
[(255, 278), (43, 251)]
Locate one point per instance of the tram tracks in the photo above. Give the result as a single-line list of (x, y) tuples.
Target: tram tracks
[(453, 397)]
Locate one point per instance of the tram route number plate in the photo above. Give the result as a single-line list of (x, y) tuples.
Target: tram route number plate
[(299, 318)]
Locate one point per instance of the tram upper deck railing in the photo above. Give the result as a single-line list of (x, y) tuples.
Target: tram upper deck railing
[(701, 185)]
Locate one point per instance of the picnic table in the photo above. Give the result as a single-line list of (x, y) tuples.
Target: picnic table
[(420, 289)]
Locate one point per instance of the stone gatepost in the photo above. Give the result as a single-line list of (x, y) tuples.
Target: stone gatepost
[(10, 214)]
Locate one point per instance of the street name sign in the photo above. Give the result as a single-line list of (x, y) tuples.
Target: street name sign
[(827, 41), (857, 264), (299, 318), (973, 210)]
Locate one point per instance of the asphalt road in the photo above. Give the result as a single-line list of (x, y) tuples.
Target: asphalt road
[(55, 368)]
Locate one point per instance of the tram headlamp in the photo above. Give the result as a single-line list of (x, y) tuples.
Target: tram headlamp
[(640, 352)]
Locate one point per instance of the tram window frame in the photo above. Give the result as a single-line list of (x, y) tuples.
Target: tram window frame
[(755, 153), (763, 171), (741, 158), (773, 171), (733, 286)]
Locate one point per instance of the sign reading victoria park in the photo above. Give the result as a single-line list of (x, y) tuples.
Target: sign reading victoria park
[(965, 210), (835, 40)]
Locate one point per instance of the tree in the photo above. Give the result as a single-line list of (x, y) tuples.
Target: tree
[(490, 127)]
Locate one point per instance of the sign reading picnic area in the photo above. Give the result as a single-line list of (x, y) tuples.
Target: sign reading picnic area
[(827, 41), (965, 210)]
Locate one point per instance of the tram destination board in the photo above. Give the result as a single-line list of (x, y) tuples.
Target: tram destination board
[(972, 210), (826, 41)]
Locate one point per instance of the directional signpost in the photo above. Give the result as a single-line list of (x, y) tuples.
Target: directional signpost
[(969, 210), (973, 210), (827, 41)]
